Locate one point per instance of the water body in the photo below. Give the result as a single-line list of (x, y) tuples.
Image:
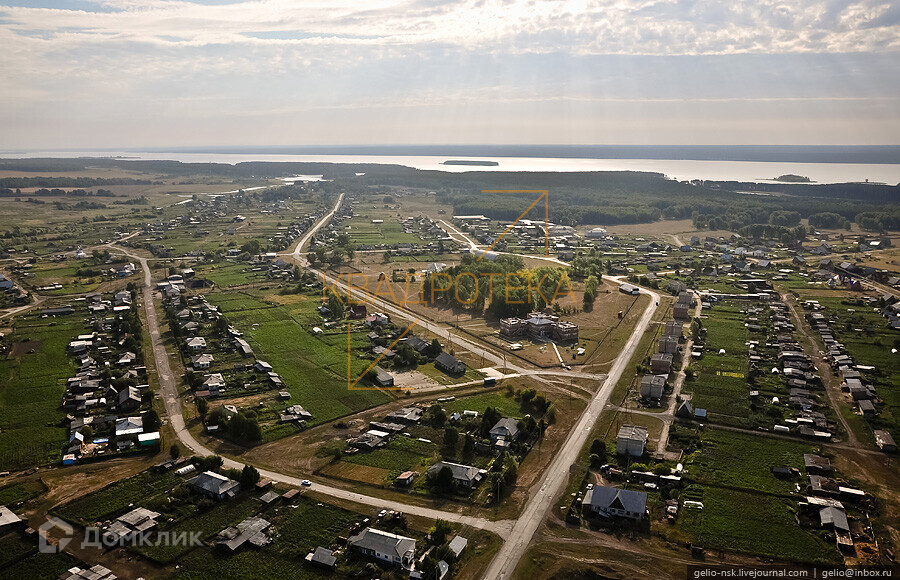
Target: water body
[(679, 169)]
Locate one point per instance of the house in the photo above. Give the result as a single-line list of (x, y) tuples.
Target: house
[(668, 345), (661, 363), (214, 382), (449, 364), (97, 572), (196, 343), (816, 464), (129, 426), (251, 530), (202, 362), (262, 367), (629, 289), (213, 485), (866, 408), (685, 410), (243, 347), (321, 557), (885, 441), (406, 478), (611, 502), (407, 415), (385, 546), (383, 378), (122, 298), (377, 319), (463, 475), (631, 440), (652, 386), (137, 521), (9, 520), (128, 399), (833, 517), (357, 312), (504, 432)]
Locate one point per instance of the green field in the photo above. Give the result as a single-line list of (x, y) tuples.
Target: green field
[(14, 547), (500, 400), (313, 368), (210, 522), (755, 524), (38, 567), (31, 386), (400, 454), (117, 497), (741, 460), (22, 491), (298, 530), (722, 395)]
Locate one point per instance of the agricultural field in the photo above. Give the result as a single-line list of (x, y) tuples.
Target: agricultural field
[(116, 497), (739, 460), (21, 491), (38, 565), (725, 396), (752, 523), (207, 523), (32, 382), (313, 367)]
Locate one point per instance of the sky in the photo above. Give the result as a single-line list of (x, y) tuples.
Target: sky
[(84, 74)]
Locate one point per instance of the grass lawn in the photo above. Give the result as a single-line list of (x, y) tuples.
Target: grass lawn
[(499, 399), (21, 491)]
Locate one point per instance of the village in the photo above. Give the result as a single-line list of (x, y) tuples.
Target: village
[(765, 374)]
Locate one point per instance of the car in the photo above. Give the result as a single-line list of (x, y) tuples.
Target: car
[(306, 483), (381, 514)]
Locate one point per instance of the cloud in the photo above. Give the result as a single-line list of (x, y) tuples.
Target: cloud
[(164, 61)]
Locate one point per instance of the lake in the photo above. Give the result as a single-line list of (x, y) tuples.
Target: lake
[(679, 169)]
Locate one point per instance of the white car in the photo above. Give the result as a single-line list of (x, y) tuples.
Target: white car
[(306, 483)]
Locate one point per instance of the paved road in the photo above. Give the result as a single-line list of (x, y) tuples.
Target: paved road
[(553, 482), (518, 534), (169, 391)]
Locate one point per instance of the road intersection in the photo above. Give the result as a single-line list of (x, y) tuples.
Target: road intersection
[(517, 534)]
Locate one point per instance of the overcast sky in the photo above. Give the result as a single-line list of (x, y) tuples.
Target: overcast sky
[(131, 73)]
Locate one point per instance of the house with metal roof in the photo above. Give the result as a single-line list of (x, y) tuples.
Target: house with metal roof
[(631, 440), (213, 485), (612, 502), (385, 546), (449, 364), (463, 475)]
